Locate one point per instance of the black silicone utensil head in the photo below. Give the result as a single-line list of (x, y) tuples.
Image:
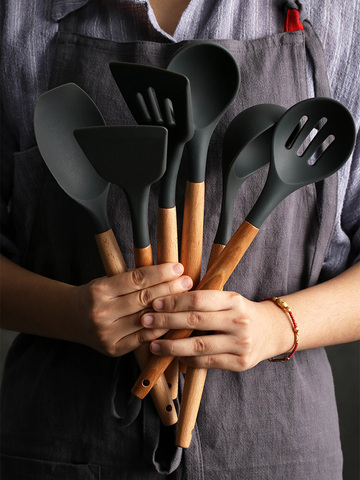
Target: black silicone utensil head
[(311, 141), (214, 79), (57, 113), (246, 149), (132, 157), (156, 96)]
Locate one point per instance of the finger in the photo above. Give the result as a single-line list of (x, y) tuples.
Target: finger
[(142, 299), (223, 361), (141, 278), (136, 339), (196, 346), (193, 320), (198, 300)]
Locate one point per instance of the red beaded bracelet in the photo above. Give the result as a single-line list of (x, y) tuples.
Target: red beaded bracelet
[(284, 306)]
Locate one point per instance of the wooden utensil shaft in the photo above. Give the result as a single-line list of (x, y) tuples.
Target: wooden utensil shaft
[(168, 252), (193, 386), (214, 279), (114, 264), (192, 230)]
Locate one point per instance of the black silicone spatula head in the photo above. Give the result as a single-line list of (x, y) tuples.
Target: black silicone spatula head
[(246, 149), (156, 96), (131, 157), (214, 79), (57, 113), (311, 141)]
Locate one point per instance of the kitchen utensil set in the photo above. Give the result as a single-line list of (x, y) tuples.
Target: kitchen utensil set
[(174, 107)]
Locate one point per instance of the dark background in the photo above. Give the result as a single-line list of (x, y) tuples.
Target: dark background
[(345, 362)]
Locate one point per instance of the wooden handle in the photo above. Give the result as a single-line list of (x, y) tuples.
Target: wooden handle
[(214, 279), (216, 249), (160, 393), (168, 252), (114, 264), (192, 230), (167, 236), (143, 257), (193, 386), (219, 272), (110, 253), (190, 403)]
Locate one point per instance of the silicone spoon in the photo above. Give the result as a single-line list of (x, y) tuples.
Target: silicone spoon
[(57, 113), (289, 170), (214, 79)]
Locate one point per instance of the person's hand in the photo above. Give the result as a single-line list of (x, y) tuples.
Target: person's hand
[(232, 333), (109, 309)]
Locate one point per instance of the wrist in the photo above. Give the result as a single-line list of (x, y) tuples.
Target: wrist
[(280, 336)]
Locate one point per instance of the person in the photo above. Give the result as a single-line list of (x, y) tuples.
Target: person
[(67, 411)]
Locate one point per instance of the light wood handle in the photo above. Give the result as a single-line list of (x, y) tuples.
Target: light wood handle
[(216, 249), (143, 257), (223, 266), (160, 393), (167, 236), (168, 252), (190, 403), (192, 230), (193, 386), (110, 253)]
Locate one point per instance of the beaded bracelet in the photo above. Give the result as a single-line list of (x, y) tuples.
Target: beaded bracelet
[(284, 306)]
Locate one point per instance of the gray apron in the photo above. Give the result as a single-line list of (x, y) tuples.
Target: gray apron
[(67, 409)]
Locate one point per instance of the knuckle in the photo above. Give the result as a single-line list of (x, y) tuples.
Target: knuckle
[(193, 319), (141, 337), (145, 297), (199, 345), (138, 277), (196, 300)]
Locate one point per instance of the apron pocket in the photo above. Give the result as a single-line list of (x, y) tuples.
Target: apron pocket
[(16, 468)]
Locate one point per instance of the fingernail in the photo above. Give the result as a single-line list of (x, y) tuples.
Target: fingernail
[(155, 347), (148, 320), (177, 268), (158, 304), (186, 282)]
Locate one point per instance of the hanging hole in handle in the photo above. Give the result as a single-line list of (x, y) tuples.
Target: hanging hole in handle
[(168, 408), (145, 382)]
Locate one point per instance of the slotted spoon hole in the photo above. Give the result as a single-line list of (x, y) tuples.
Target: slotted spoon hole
[(315, 157), (295, 133)]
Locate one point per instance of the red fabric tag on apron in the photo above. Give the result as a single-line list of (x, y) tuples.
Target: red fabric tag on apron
[(292, 22)]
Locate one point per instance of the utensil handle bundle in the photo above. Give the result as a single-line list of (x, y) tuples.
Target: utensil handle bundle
[(214, 279), (114, 264)]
